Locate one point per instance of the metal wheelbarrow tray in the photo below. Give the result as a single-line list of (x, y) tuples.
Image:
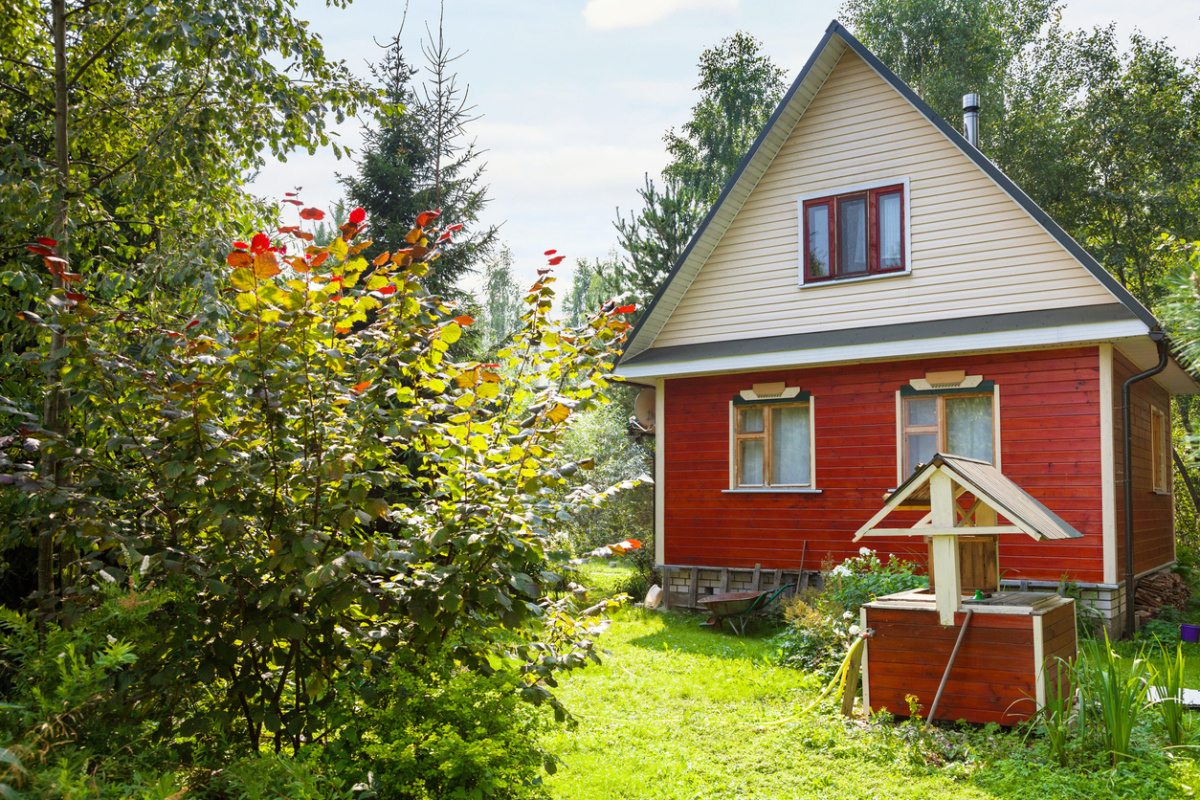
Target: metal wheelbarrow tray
[(738, 607)]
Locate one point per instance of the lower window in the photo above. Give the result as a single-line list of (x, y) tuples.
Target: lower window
[(772, 445), (955, 424), (1160, 449)]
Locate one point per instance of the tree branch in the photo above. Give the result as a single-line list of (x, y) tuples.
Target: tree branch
[(101, 50)]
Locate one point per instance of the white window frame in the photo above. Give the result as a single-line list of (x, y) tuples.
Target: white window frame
[(836, 191), (808, 488)]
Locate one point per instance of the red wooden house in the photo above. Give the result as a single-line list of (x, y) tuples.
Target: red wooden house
[(870, 289)]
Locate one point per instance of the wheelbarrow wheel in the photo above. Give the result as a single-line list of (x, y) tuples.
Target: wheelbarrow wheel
[(712, 622)]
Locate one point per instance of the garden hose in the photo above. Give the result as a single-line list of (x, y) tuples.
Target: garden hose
[(839, 680)]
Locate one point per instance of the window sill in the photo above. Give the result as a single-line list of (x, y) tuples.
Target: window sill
[(843, 281), (773, 490), (1162, 493)]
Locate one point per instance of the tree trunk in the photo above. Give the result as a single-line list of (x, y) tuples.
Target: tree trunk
[(52, 410)]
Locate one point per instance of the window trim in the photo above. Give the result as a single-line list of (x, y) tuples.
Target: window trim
[(735, 485), (834, 197), (991, 389), (1160, 461)]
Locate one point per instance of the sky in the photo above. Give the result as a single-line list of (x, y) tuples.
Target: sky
[(574, 96)]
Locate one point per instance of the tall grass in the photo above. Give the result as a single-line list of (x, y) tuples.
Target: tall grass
[(1115, 693), (1170, 706)]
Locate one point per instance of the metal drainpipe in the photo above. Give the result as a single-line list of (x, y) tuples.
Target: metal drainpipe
[(1127, 453)]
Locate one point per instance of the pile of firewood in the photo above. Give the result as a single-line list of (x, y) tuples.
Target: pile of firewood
[(1160, 590)]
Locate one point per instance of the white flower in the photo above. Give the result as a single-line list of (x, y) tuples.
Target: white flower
[(841, 570), (855, 630), (865, 551), (847, 615)]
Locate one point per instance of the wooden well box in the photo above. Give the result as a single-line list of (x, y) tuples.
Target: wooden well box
[(1006, 665), (961, 649)]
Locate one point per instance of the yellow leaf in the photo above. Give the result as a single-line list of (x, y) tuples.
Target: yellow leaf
[(339, 249), (451, 333), (467, 378), (488, 390), (558, 413), (242, 280)]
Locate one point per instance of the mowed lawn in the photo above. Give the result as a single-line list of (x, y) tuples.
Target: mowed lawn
[(682, 713)]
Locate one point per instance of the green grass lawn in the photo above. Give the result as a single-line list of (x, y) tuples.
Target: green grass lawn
[(682, 713)]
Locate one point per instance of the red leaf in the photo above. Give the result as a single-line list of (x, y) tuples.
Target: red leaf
[(47, 242), (357, 216), (72, 277), (389, 289), (291, 194), (259, 243), (191, 324), (359, 388), (241, 245), (453, 228), (554, 262), (543, 272), (240, 259), (625, 310), (549, 252), (293, 202), (381, 259), (444, 237), (492, 366), (464, 320), (39, 249), (427, 217), (76, 297), (320, 259), (173, 334), (312, 213)]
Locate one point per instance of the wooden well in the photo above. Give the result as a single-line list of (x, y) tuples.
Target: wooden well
[(961, 649)]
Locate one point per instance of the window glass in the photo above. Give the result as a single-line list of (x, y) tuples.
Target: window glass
[(790, 445), (922, 411), (818, 241), (751, 461), (890, 251), (969, 427), (852, 236), (751, 420), (920, 448)]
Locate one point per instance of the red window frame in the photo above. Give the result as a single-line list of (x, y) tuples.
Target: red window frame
[(832, 204)]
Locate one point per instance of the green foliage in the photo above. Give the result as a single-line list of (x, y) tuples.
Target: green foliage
[(445, 735), (655, 237), (739, 88), (861, 578), (268, 776), (1169, 679), (602, 435), (317, 485), (414, 158), (1114, 695), (814, 640)]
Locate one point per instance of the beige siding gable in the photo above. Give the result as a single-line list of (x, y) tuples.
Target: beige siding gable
[(974, 250)]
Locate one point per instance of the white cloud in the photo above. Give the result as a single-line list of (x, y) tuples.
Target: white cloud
[(608, 14)]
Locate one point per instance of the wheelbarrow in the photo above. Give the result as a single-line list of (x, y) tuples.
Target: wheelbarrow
[(737, 608)]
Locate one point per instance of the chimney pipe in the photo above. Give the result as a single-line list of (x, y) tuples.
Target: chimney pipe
[(971, 118)]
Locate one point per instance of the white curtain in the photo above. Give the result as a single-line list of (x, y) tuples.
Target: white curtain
[(889, 232), (790, 445)]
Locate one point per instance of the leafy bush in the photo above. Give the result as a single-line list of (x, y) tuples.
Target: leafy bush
[(862, 578), (318, 485), (814, 639), (445, 735)]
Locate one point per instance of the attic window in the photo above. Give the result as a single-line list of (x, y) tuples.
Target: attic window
[(854, 234)]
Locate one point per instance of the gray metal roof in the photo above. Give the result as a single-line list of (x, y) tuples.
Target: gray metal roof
[(760, 155)]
